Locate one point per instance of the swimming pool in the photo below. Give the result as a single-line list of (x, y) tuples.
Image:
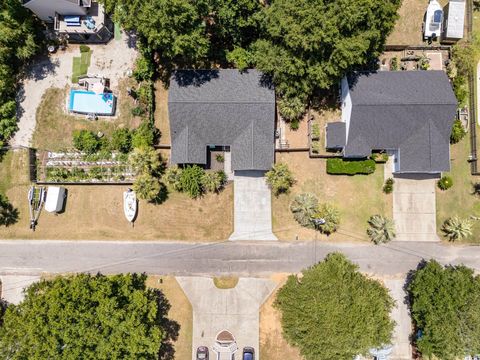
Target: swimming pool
[(88, 102)]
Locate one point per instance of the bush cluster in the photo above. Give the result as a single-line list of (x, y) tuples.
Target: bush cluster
[(445, 183), (337, 166), (315, 131), (379, 157), (388, 186), (309, 213), (280, 179), (458, 132), (194, 180)]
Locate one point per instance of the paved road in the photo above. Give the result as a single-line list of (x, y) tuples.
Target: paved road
[(244, 258)]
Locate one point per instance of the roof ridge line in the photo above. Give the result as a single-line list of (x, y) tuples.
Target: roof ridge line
[(404, 104), (219, 102)]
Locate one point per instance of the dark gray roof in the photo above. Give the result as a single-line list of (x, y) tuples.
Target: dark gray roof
[(409, 111), (336, 135), (222, 107)]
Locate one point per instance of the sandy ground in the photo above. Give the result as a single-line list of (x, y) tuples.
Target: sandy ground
[(112, 60)]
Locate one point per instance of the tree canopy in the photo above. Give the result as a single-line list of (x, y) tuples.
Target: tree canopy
[(311, 44), (19, 41), (445, 303), (333, 311), (88, 317)]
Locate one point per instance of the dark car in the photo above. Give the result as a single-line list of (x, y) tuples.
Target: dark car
[(248, 353), (202, 353)]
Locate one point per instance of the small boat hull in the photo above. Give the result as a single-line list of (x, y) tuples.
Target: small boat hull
[(130, 205)]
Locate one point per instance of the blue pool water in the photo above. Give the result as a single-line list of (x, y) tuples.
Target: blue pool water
[(88, 102)]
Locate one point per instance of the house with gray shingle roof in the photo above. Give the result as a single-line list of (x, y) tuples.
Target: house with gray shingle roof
[(222, 108), (407, 113)]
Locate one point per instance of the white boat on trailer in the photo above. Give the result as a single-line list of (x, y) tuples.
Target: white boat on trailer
[(130, 205), (432, 27)]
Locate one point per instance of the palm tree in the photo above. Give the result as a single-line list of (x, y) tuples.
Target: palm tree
[(304, 206), (145, 160), (457, 229), (147, 187), (280, 179), (330, 215), (381, 229)]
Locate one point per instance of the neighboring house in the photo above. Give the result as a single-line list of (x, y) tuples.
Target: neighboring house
[(222, 109), (407, 113), (80, 21)]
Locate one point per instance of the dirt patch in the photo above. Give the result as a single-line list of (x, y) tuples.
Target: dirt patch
[(225, 282), (161, 112), (273, 346)]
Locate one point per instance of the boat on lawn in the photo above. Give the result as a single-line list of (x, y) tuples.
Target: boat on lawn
[(130, 205)]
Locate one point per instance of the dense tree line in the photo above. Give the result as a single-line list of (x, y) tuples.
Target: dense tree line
[(89, 317), (306, 45), (445, 303), (20, 35)]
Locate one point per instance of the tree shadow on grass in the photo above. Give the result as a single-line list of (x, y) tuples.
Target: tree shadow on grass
[(8, 214), (169, 326)]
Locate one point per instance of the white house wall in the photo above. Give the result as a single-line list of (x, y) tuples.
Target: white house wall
[(46, 9), (346, 104)]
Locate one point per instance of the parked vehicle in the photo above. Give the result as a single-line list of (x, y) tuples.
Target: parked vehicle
[(248, 353), (202, 353)]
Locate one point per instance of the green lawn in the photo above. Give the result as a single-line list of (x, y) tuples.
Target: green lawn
[(80, 65), (459, 200)]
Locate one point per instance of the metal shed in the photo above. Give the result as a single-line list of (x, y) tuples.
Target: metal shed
[(455, 22)]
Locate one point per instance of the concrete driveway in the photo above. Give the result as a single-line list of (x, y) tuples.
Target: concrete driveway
[(414, 209), (402, 349), (235, 310), (252, 207), (13, 285)]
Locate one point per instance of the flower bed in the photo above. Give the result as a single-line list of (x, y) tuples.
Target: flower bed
[(338, 166)]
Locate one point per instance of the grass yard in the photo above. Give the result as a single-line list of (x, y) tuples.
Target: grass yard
[(96, 212), (161, 112), (80, 65), (357, 197), (55, 126), (180, 311), (273, 346), (458, 200), (408, 29)]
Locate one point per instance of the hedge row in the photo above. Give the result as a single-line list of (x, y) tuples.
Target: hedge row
[(339, 166)]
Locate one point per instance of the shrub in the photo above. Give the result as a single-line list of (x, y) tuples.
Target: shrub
[(445, 182), (291, 108), (458, 132), (379, 158), (172, 177), (144, 136), (394, 63), (315, 131), (304, 207), (460, 89), (96, 172), (315, 146), (138, 111), (145, 160), (381, 229), (84, 48), (220, 158), (145, 93), (339, 166), (122, 140), (331, 215), (279, 178), (191, 179), (147, 187), (144, 69), (240, 57), (457, 229), (388, 186), (476, 188), (86, 141), (334, 294), (214, 181)]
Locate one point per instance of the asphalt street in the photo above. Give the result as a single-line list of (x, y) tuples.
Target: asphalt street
[(31, 257)]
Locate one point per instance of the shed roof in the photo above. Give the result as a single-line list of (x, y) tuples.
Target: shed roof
[(456, 19), (222, 107), (409, 111)]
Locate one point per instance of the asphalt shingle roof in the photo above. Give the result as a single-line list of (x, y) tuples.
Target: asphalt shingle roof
[(222, 107), (409, 111), (336, 135)]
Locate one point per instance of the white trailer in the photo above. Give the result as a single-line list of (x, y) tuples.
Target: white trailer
[(55, 199)]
